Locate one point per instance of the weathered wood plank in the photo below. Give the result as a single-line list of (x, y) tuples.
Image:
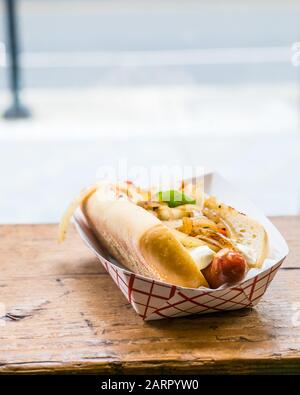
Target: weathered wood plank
[(64, 314), (290, 229)]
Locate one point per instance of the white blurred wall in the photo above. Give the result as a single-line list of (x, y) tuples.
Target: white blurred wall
[(185, 83)]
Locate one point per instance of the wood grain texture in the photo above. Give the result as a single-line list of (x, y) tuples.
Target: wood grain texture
[(64, 314)]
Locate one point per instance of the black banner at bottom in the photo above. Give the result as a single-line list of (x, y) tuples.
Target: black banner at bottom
[(131, 384)]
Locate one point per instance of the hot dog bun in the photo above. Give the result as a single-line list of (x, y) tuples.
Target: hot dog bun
[(139, 240), (244, 230), (182, 244)]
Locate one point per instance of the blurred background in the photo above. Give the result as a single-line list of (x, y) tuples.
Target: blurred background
[(160, 82)]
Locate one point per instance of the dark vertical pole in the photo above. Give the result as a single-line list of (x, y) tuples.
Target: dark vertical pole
[(16, 110)]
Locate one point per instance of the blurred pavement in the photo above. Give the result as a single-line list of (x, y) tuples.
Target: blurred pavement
[(228, 113)]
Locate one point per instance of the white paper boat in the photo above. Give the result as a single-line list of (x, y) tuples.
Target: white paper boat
[(153, 299)]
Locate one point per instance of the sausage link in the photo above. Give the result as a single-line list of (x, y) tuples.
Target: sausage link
[(227, 267)]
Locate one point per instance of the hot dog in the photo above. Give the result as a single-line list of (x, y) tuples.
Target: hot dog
[(178, 241), (227, 267)]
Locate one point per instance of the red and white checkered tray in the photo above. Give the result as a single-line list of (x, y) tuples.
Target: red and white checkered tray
[(153, 299)]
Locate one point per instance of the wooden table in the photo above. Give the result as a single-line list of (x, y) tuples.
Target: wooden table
[(63, 313)]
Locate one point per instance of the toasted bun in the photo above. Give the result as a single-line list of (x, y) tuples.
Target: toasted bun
[(163, 251), (139, 241), (243, 229)]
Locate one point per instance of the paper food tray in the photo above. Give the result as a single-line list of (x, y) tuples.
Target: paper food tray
[(153, 299)]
